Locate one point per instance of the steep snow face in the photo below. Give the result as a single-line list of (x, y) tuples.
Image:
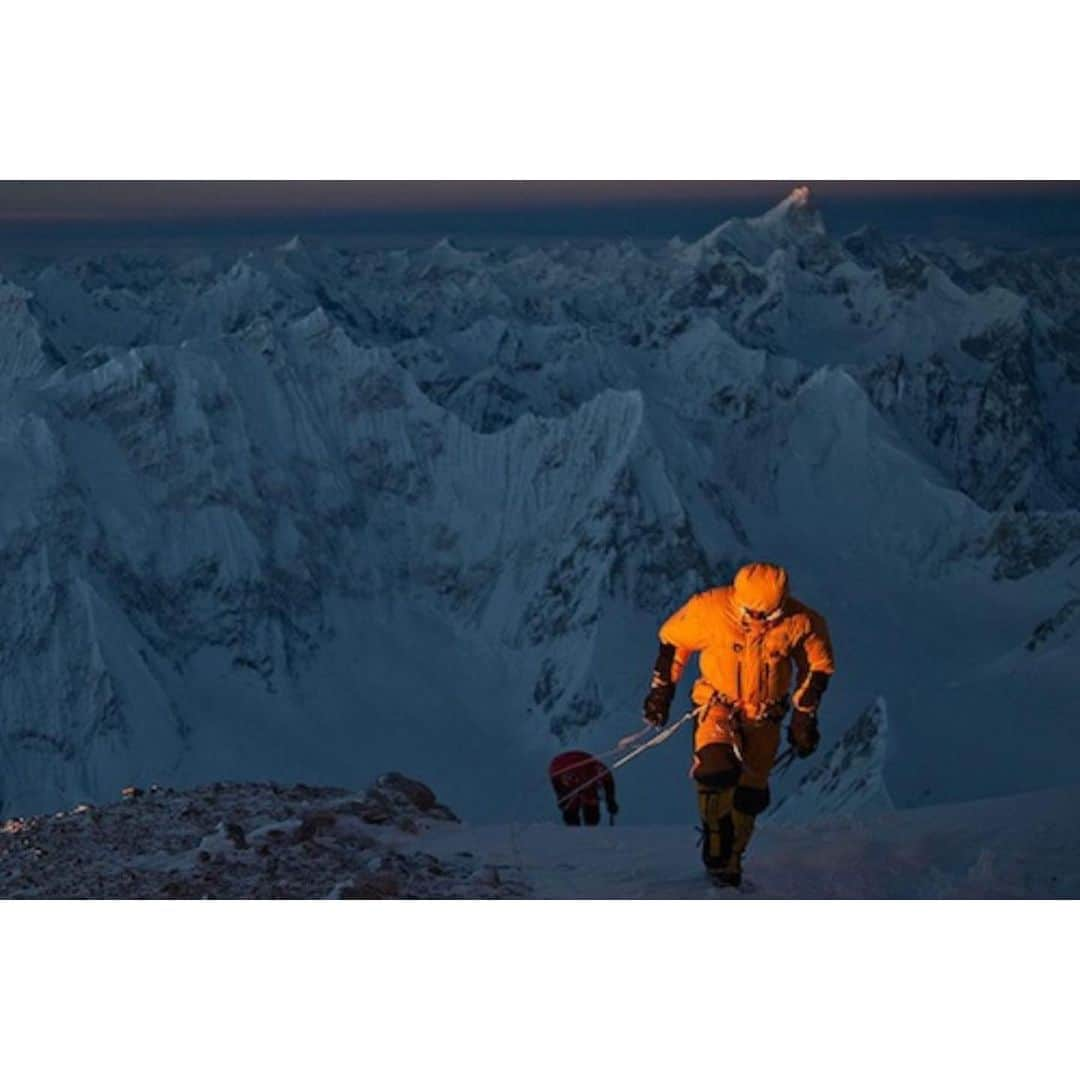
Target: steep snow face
[(23, 350), (315, 513)]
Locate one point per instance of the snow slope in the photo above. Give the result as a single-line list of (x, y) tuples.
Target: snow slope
[(1021, 847)]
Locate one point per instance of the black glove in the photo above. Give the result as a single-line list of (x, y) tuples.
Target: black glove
[(808, 697), (658, 704), (803, 733), (661, 688), (612, 808)]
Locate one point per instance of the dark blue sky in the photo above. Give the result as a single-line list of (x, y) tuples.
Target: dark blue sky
[(42, 216)]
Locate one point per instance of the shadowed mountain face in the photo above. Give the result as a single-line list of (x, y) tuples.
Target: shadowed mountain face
[(317, 513)]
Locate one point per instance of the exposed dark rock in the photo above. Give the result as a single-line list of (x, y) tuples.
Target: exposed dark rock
[(243, 840)]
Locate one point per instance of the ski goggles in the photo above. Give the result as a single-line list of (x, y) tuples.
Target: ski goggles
[(763, 616)]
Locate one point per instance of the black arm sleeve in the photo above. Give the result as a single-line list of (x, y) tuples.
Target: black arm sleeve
[(812, 691), (662, 668)]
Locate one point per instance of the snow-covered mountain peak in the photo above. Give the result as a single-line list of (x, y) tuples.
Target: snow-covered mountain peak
[(792, 222), (794, 210), (22, 348), (870, 247), (446, 255)]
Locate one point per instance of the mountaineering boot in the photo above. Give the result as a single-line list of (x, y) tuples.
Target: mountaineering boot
[(717, 831), (742, 827), (729, 876)]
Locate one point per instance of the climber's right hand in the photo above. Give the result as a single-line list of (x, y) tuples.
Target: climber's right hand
[(657, 704), (803, 733)]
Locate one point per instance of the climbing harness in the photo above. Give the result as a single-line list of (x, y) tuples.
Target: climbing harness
[(780, 765)]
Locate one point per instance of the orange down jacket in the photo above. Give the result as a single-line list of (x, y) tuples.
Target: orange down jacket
[(751, 663)]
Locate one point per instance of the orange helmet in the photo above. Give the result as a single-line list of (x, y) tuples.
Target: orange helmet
[(761, 589)]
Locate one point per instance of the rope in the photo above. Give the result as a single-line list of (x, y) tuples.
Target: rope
[(656, 740), (618, 748), (780, 765)]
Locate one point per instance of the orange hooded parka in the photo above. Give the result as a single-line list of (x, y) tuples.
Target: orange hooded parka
[(749, 662)]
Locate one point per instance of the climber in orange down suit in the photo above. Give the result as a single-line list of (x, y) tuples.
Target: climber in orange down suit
[(577, 778), (756, 642)]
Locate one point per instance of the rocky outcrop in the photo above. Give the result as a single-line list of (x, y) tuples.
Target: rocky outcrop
[(231, 841)]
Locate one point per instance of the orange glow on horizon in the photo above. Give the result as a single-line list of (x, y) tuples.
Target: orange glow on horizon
[(46, 202)]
